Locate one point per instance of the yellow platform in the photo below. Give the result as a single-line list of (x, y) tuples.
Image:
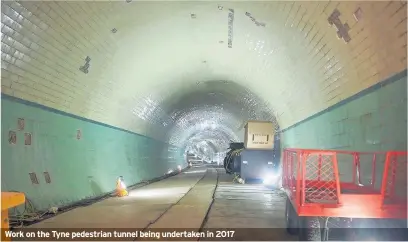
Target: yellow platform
[(9, 200)]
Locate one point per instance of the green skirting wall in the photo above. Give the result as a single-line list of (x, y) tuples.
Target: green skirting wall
[(372, 120), (78, 168)]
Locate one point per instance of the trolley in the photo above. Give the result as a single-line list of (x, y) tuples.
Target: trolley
[(321, 189)]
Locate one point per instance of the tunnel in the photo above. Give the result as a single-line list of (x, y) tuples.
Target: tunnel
[(95, 90)]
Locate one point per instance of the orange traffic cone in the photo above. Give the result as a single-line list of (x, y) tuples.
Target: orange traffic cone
[(121, 190)]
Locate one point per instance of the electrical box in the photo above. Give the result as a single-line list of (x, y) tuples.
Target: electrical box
[(255, 164), (259, 135)]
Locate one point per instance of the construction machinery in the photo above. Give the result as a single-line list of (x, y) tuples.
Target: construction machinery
[(257, 157)]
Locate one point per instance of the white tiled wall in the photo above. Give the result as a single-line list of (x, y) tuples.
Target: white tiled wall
[(296, 63)]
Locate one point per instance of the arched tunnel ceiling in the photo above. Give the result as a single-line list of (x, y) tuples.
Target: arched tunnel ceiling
[(166, 70)]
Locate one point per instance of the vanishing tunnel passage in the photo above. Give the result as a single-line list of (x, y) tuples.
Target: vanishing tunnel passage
[(92, 91)]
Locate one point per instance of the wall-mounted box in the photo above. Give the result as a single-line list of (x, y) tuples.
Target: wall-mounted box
[(259, 135)]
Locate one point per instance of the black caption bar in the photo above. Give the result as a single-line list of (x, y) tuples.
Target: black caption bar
[(188, 234)]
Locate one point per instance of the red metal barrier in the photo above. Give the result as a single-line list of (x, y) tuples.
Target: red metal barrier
[(353, 184), (394, 183)]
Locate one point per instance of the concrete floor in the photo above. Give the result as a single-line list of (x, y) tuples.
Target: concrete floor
[(183, 201)]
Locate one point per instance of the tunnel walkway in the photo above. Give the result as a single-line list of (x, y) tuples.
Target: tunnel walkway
[(200, 197)]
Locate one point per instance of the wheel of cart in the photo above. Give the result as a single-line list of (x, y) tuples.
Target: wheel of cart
[(373, 189)]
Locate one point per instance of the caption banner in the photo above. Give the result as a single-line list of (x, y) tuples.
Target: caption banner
[(116, 234), (193, 234)]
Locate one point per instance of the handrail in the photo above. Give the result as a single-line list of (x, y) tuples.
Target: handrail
[(342, 151)]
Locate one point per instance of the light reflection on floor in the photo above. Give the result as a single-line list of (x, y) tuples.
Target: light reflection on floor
[(195, 171), (158, 192)]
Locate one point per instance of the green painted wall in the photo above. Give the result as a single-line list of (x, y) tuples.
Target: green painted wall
[(78, 168), (373, 120)]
